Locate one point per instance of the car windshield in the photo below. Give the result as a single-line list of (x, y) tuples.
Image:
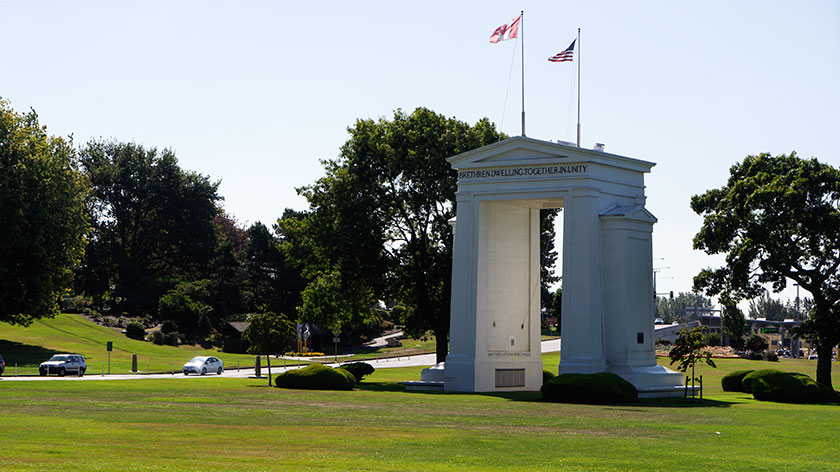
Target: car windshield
[(58, 358), (197, 360)]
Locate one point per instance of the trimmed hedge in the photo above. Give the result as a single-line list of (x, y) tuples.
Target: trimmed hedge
[(135, 330), (358, 369), (598, 388), (316, 377), (786, 387), (733, 381), (548, 375)]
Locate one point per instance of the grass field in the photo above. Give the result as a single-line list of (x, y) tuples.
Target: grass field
[(67, 333), (201, 424), (221, 424)]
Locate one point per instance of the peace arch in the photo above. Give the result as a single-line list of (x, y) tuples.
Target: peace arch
[(608, 301)]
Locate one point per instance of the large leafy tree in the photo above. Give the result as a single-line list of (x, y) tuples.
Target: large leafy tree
[(777, 219), (732, 322), (42, 210), (269, 333), (153, 222), (380, 215)]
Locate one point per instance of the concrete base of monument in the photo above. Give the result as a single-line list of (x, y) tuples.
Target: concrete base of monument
[(653, 381), (431, 380)]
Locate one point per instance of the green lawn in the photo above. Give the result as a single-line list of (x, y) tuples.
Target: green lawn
[(69, 333), (201, 424)]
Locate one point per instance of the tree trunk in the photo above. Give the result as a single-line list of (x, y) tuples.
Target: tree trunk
[(824, 364), (441, 343), (268, 363)]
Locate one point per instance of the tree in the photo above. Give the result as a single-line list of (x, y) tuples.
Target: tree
[(756, 343), (686, 306), (770, 308), (268, 333), (548, 257), (380, 217), (42, 210), (732, 322), (777, 219), (687, 350), (153, 222)]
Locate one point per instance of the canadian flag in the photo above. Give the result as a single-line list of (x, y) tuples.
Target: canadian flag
[(506, 32)]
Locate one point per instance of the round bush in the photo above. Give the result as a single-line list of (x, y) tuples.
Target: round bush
[(358, 369), (598, 388), (316, 377), (135, 330), (733, 381), (748, 379), (776, 386), (548, 375)]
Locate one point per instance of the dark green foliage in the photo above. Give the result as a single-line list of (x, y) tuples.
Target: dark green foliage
[(168, 326), (152, 221), (733, 381), (358, 369), (158, 338), (42, 213), (732, 322), (378, 221), (777, 386), (548, 375), (134, 330), (686, 350), (756, 343), (776, 220), (770, 356), (316, 377), (712, 339), (171, 339), (598, 388)]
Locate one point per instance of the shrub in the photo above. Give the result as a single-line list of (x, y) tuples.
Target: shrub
[(603, 387), (75, 304), (733, 381), (158, 338), (168, 326), (171, 339), (770, 356), (358, 369), (316, 377), (548, 375), (713, 339), (756, 343), (777, 386), (134, 330), (663, 342)]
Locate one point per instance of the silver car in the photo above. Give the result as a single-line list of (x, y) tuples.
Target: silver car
[(202, 365), (62, 364)]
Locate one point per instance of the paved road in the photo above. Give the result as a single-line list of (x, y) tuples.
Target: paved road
[(410, 361)]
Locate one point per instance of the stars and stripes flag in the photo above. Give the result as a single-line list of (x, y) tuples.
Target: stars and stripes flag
[(505, 32), (564, 56)]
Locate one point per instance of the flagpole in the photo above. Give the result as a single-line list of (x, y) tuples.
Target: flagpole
[(578, 64), (522, 42)]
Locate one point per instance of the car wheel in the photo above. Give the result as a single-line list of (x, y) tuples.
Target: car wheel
[(203, 371), (82, 372), (186, 373), (43, 373), (219, 372), (62, 371)]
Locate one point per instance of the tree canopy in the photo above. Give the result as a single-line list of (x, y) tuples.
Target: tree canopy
[(153, 221), (42, 209), (378, 221), (777, 219)]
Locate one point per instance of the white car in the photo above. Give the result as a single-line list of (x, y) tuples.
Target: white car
[(63, 364), (202, 365)]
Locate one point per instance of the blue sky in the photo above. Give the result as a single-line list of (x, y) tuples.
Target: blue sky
[(255, 93)]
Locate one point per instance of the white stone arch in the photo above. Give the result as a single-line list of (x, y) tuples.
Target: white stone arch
[(608, 300)]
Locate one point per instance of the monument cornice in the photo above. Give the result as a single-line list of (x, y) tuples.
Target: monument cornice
[(515, 151)]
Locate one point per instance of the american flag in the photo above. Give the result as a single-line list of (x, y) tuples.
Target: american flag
[(564, 56)]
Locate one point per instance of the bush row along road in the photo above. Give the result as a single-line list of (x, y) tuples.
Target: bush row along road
[(410, 361)]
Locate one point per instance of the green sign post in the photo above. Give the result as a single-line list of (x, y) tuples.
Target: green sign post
[(110, 347)]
